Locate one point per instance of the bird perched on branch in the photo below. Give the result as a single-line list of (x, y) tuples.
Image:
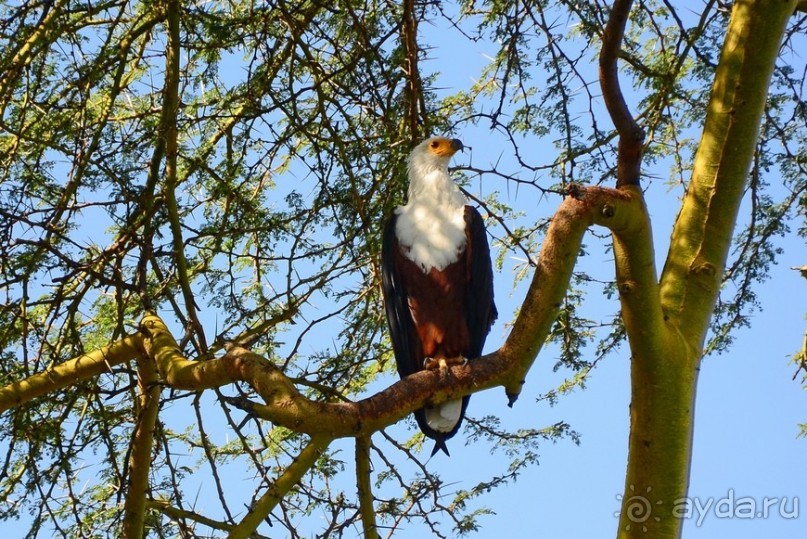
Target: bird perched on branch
[(437, 280)]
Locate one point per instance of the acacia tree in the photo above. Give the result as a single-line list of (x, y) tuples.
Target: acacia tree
[(192, 199)]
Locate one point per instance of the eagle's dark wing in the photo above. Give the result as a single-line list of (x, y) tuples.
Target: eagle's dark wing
[(405, 340), (480, 309)]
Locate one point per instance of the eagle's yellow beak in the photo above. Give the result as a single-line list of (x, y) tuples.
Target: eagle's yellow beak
[(445, 147)]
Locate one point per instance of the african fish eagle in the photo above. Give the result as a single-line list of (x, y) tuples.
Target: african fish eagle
[(437, 280)]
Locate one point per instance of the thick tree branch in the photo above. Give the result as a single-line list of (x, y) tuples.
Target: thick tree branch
[(586, 206), (631, 136), (637, 280), (702, 234), (664, 369), (68, 373)]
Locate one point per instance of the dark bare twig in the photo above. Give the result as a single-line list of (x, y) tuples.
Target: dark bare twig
[(631, 135), (414, 87)]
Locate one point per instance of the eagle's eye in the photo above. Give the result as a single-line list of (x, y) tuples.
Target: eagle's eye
[(435, 144)]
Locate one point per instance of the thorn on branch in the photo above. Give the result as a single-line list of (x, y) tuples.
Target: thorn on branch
[(575, 190), (243, 404)]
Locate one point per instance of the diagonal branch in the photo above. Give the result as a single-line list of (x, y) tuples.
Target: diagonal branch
[(278, 490), (65, 374), (631, 136), (702, 234)]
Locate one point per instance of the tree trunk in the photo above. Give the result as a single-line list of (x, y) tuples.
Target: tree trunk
[(664, 368)]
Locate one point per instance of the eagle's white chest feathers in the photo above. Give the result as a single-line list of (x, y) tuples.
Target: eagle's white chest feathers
[(431, 226), (433, 234)]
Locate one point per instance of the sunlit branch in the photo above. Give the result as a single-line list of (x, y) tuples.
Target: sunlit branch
[(68, 373), (282, 485), (26, 52), (148, 404), (637, 280), (703, 231)]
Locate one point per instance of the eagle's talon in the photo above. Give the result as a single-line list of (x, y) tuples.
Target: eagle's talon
[(459, 360), (443, 366)]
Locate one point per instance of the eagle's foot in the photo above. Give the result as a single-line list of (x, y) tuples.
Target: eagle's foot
[(443, 363)]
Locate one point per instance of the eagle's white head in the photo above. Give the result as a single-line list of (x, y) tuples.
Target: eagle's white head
[(428, 171)]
